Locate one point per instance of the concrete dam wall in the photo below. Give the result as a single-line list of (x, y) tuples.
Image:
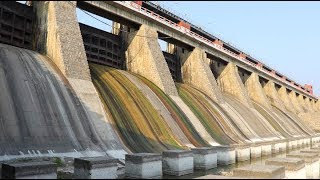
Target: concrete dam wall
[(40, 113), (69, 96)]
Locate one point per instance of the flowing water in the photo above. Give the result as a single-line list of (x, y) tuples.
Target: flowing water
[(39, 111), (41, 114)]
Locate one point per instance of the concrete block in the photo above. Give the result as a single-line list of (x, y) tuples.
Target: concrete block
[(282, 146), (260, 171), (315, 151), (266, 149), (294, 167), (143, 165), (226, 155), (95, 168), (299, 143), (275, 148), (177, 162), (204, 158), (279, 146), (308, 141), (211, 176), (242, 152), (255, 151), (311, 162), (292, 144), (29, 170)]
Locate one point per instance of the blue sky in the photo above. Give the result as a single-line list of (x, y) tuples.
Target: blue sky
[(283, 35)]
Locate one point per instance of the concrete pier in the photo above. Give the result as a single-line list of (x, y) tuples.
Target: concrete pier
[(29, 170), (143, 165), (291, 144), (260, 172), (266, 149), (204, 158), (226, 155), (311, 162), (242, 152), (177, 162), (280, 146), (255, 150), (95, 168), (294, 167)]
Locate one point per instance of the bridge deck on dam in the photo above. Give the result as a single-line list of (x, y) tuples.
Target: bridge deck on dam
[(79, 99)]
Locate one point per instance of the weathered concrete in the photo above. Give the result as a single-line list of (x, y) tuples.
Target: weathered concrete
[(156, 102), (95, 168), (230, 82), (266, 149), (29, 170), (59, 34), (204, 158), (273, 95), (194, 120), (211, 176), (311, 162), (255, 151), (295, 102), (304, 105), (294, 167), (309, 103), (242, 152), (278, 146), (121, 13), (144, 57), (260, 171), (177, 162), (284, 96), (143, 165), (294, 143), (226, 155), (60, 39), (196, 71), (314, 105)]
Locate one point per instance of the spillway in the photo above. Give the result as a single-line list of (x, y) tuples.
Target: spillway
[(39, 111), (41, 114), (140, 125)]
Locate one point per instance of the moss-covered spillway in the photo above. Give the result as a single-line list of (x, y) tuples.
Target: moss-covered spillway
[(137, 121)]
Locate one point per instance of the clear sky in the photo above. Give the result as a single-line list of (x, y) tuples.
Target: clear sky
[(283, 35)]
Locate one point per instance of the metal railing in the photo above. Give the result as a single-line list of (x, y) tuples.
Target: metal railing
[(134, 6)]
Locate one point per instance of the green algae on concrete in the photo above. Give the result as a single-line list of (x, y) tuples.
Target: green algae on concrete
[(138, 123), (207, 115), (177, 114)]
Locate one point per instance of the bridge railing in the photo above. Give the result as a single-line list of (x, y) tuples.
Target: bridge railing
[(136, 7)]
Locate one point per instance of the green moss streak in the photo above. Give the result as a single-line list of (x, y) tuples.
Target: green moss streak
[(140, 125), (207, 115), (177, 114)]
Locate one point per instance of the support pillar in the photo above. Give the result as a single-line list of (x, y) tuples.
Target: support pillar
[(284, 96), (116, 28), (196, 71), (171, 48), (304, 105), (255, 90), (230, 82), (273, 95), (144, 57), (295, 102), (59, 37)]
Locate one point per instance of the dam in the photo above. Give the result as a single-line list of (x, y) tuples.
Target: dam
[(77, 95)]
